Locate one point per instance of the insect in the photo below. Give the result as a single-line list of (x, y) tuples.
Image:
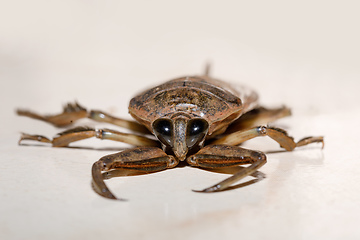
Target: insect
[(195, 119)]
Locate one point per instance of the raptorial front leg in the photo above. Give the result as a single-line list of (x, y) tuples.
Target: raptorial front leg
[(217, 156), (63, 139), (147, 159), (277, 134), (74, 111)]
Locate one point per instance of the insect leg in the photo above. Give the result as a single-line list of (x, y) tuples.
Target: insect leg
[(74, 111), (207, 69), (277, 134), (70, 114), (256, 117), (79, 133), (100, 116), (145, 159), (217, 156)]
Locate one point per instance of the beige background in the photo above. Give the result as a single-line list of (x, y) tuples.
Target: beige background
[(304, 54)]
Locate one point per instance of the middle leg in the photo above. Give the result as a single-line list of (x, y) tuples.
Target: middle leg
[(63, 139), (277, 134)]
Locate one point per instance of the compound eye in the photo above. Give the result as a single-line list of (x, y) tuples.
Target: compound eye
[(163, 129), (196, 131)]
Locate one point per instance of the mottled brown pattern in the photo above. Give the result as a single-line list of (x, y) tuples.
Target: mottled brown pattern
[(198, 120), (219, 103)]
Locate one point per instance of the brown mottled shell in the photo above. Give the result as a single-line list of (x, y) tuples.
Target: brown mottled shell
[(218, 102)]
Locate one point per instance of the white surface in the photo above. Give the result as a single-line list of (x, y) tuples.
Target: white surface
[(101, 53)]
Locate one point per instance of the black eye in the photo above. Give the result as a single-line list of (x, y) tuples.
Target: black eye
[(163, 130), (196, 127), (196, 131), (163, 127)]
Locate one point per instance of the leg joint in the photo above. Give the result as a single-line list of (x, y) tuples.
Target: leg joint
[(99, 133), (262, 130)]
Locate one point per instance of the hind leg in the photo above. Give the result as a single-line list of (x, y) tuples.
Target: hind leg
[(258, 116), (74, 111)]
